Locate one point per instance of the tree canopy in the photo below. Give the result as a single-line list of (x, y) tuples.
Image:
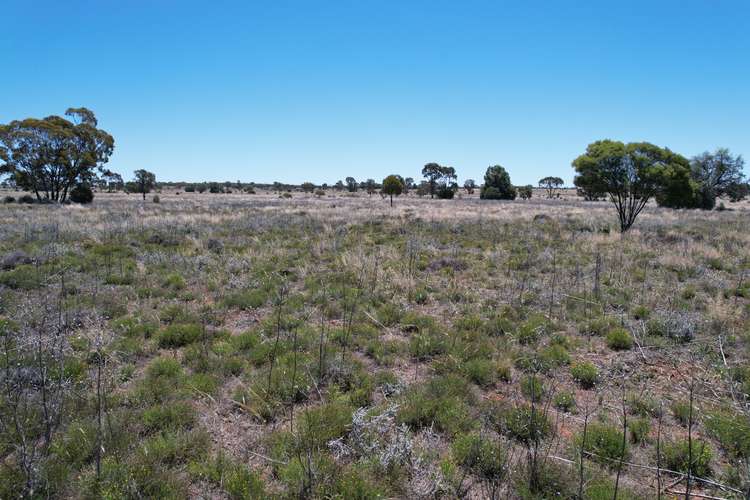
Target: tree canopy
[(497, 185), (717, 174), (50, 156), (440, 179), (550, 183), (393, 185), (144, 181)]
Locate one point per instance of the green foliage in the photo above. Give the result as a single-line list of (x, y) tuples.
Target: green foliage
[(619, 339), (525, 423), (443, 402), (681, 412), (532, 387), (497, 185), (482, 456), (179, 335), (564, 401), (677, 456), (82, 194), (246, 299), (173, 416), (235, 479), (732, 430), (585, 373), (604, 442), (638, 429)]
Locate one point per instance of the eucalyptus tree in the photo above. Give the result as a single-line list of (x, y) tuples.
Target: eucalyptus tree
[(50, 156)]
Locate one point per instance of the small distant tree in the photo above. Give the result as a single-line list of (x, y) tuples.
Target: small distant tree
[(497, 185), (409, 184), (716, 173), (370, 186), (525, 192), (393, 185), (308, 187), (113, 181), (550, 184), (351, 184), (470, 186), (339, 186), (432, 172), (144, 182)]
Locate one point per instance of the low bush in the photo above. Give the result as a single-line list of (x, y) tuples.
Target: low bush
[(619, 339), (179, 335), (444, 402), (564, 401), (604, 443), (524, 424), (585, 374), (677, 456), (482, 456), (732, 430)]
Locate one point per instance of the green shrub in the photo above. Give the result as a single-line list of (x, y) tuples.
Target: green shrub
[(619, 339), (179, 335), (444, 402), (643, 405), (484, 457), (585, 374), (171, 416), (732, 430), (604, 442), (531, 330), (638, 429), (555, 355), (236, 480), (681, 412), (532, 387), (163, 367), (246, 299), (481, 371), (564, 401), (525, 425), (676, 456)]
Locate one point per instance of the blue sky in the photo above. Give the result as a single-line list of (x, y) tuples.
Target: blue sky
[(296, 91)]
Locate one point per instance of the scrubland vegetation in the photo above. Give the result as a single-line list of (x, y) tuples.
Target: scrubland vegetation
[(330, 346)]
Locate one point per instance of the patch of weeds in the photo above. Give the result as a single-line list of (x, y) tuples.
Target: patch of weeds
[(532, 387), (246, 299)]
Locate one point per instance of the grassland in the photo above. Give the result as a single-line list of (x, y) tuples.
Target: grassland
[(253, 346)]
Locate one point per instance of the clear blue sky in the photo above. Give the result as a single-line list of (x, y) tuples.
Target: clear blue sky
[(296, 91)]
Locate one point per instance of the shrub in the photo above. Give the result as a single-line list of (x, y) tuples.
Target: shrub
[(619, 339), (676, 456), (604, 442), (497, 185), (179, 335), (525, 425), (9, 199), (156, 198), (732, 430), (81, 193), (681, 412), (485, 458), (172, 416), (480, 371), (564, 401), (585, 373), (532, 387), (639, 429), (444, 402), (246, 299), (643, 405), (27, 198)]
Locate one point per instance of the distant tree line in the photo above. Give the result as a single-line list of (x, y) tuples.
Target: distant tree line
[(62, 159)]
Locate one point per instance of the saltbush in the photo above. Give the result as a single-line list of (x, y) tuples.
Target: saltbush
[(619, 339)]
